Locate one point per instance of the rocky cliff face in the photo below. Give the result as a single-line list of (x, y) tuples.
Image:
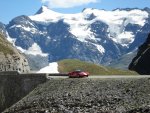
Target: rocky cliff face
[(141, 63), (10, 58)]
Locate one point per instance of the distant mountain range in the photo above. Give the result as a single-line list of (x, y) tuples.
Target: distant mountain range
[(94, 35)]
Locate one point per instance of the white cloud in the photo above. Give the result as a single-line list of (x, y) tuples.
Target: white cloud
[(67, 3)]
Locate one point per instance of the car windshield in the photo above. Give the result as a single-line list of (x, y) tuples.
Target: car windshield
[(78, 71)]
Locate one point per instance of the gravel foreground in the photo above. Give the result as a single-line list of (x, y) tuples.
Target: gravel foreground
[(84, 95)]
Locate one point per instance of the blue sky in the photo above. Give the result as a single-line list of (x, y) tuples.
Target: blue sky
[(13, 8)]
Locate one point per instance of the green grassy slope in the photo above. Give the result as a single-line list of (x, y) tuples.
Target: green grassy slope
[(5, 46), (73, 64)]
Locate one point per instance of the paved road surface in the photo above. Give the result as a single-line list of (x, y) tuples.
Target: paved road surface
[(105, 76)]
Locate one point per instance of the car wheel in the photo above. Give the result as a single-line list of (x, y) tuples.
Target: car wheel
[(78, 76)]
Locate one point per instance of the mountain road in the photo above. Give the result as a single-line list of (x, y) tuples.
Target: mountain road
[(104, 76)]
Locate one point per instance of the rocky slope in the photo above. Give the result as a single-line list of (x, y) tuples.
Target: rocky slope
[(124, 61), (141, 62), (92, 35), (10, 58), (87, 95)]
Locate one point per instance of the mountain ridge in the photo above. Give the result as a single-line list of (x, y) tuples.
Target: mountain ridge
[(93, 35)]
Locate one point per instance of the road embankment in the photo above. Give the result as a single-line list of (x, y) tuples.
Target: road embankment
[(91, 95)]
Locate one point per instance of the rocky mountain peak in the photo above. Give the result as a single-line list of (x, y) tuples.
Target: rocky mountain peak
[(42, 9), (44, 14), (46, 10)]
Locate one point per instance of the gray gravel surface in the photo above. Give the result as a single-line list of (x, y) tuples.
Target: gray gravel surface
[(87, 95)]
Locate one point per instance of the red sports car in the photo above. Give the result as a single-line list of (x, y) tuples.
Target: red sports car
[(78, 74)]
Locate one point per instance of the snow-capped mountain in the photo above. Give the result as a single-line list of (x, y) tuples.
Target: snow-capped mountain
[(93, 35)]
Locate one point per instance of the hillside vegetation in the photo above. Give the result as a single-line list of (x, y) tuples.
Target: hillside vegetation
[(10, 58), (73, 64), (5, 46)]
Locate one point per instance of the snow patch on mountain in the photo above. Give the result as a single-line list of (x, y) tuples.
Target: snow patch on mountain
[(82, 32), (28, 29), (35, 50), (51, 68), (99, 48), (124, 38)]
